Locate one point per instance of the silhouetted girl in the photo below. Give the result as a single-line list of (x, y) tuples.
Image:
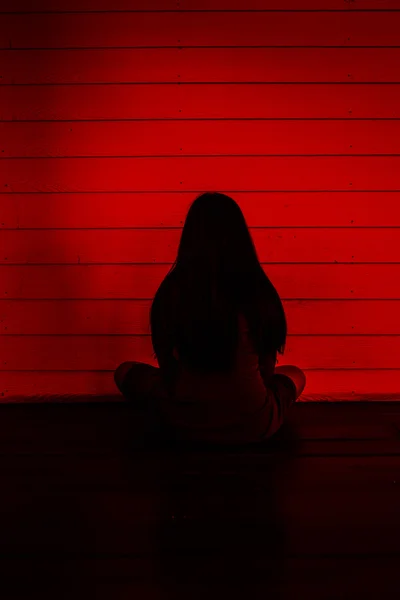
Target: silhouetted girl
[(217, 323)]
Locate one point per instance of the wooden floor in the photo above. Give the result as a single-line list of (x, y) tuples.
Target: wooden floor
[(90, 508)]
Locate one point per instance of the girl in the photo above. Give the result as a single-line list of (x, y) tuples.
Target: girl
[(217, 323)]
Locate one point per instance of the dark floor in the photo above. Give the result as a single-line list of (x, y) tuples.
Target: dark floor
[(89, 509)]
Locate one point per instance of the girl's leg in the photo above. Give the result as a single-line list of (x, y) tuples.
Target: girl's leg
[(139, 381), (284, 387), (141, 384), (120, 374), (295, 374)]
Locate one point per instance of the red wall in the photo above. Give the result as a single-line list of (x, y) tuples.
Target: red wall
[(112, 121)]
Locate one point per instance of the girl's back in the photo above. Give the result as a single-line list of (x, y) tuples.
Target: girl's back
[(244, 403)]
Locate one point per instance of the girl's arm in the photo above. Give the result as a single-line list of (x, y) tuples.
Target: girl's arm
[(161, 337), (266, 364)]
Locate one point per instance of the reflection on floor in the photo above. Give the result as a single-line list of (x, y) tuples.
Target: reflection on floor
[(92, 508)]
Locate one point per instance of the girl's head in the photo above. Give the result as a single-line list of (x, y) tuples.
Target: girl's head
[(215, 236), (215, 276)]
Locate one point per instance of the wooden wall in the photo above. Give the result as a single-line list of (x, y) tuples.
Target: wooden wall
[(115, 114)]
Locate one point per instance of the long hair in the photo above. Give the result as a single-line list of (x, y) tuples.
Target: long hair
[(215, 276)]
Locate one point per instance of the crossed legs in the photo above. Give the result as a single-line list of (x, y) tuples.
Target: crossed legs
[(296, 375)]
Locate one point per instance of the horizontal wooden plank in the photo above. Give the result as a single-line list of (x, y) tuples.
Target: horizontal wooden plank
[(95, 431), (102, 352), (61, 481), (345, 473), (340, 427), (187, 137), (196, 5), (215, 471), (109, 419), (186, 575), (190, 65), (200, 173), (152, 29), (299, 281), (374, 574), (95, 472), (23, 386), (89, 5), (80, 469), (66, 521), (199, 101), (314, 317), (62, 445), (297, 571), (168, 209), (367, 575), (371, 385), (283, 245)]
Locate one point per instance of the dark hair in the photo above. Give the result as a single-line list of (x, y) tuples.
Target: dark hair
[(215, 276)]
